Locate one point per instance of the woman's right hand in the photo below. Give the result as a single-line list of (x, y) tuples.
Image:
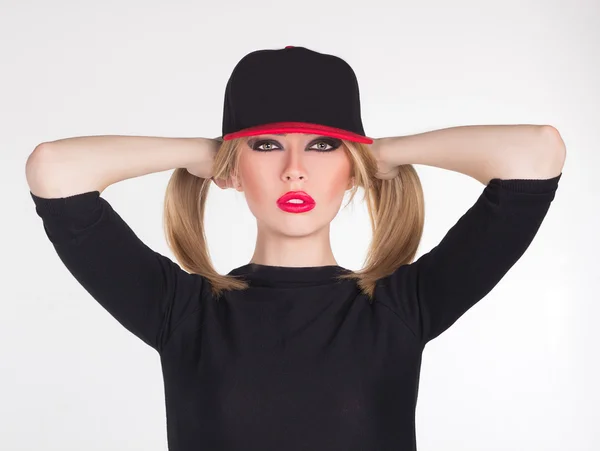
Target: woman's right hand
[(204, 169)]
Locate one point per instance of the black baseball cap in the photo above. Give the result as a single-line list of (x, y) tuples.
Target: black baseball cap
[(292, 90)]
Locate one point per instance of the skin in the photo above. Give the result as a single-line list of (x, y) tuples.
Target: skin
[(292, 163)]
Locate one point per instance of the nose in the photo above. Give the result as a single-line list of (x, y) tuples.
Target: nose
[(289, 177), (294, 170)]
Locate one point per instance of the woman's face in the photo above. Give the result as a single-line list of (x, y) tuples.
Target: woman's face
[(271, 165)]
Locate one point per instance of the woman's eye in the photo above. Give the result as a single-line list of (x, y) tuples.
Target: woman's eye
[(257, 146), (332, 144), (319, 146)]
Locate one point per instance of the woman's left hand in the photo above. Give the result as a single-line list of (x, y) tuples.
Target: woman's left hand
[(385, 169)]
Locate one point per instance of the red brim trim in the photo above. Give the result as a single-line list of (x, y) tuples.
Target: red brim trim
[(299, 127)]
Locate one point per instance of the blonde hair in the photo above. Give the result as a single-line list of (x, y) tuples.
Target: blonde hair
[(395, 206)]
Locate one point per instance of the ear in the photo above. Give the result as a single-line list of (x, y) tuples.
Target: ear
[(235, 183), (350, 183)]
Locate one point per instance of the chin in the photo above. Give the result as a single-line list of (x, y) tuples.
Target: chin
[(294, 226)]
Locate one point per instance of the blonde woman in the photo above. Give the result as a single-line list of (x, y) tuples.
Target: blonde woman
[(292, 351)]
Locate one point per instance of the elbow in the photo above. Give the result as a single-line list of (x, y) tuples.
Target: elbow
[(552, 137), (37, 169), (40, 149), (50, 174), (554, 151), (39, 153), (34, 161)]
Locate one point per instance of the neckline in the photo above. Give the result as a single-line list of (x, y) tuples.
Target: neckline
[(287, 276)]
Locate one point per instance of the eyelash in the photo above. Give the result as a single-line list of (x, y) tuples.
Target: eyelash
[(256, 144)]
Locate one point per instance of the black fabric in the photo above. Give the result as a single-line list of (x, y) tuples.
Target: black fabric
[(300, 360), (294, 84)]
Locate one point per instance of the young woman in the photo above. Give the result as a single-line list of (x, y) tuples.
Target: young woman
[(292, 351)]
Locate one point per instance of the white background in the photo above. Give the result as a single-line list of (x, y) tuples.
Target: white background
[(519, 371)]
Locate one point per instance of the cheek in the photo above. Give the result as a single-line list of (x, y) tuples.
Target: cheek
[(255, 182), (335, 182)]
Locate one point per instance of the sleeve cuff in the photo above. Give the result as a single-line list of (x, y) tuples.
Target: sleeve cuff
[(534, 186), (60, 206)]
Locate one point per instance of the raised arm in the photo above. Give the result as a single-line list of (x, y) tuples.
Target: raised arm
[(145, 291), (91, 163), (521, 167)]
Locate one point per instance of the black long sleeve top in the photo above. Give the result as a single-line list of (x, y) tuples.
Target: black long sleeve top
[(299, 361)]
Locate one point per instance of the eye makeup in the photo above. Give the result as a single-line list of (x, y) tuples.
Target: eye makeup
[(256, 143)]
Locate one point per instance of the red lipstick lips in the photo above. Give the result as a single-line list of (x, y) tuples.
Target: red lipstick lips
[(296, 202)]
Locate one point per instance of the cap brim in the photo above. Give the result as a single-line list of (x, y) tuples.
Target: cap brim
[(299, 127)]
